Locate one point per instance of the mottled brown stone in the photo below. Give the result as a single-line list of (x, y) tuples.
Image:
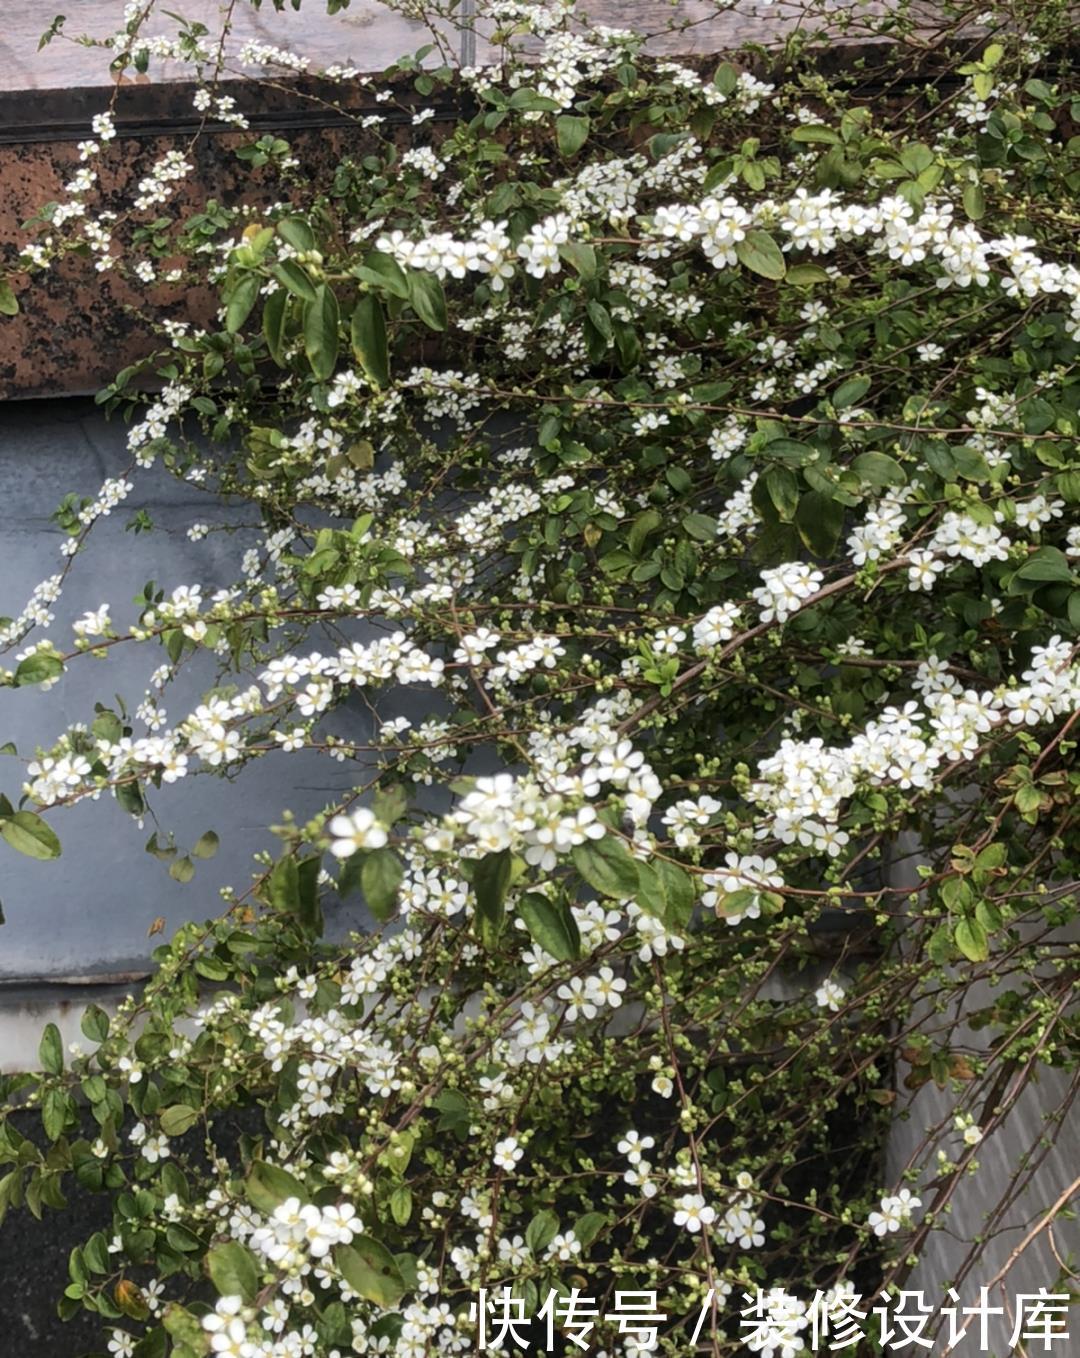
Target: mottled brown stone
[(77, 327)]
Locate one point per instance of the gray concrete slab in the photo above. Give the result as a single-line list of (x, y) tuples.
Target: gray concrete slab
[(88, 912)]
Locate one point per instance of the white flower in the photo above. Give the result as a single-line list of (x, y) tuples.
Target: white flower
[(785, 588), (514, 1252), (358, 830), (507, 1154), (155, 1148), (324, 1227), (716, 626), (564, 1247), (744, 873), (578, 999), (894, 1212), (830, 995), (693, 1213), (93, 624), (923, 570), (633, 1145)]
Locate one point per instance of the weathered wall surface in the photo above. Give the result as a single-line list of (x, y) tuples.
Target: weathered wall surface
[(87, 913), (369, 36)]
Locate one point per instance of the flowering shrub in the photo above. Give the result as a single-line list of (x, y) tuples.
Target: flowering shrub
[(700, 445)]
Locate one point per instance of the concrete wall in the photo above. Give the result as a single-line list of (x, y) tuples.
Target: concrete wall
[(86, 914)]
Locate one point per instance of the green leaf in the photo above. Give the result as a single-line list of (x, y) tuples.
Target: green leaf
[(646, 522), (667, 891), (370, 1271), (571, 133), (993, 856), (268, 1185), (759, 253), (51, 1050), (95, 1023), (386, 272), (588, 1227), (233, 1270), (37, 668), (321, 332), (96, 1253), (783, 490), (455, 1115), (819, 521), (369, 339), (9, 303), (974, 201), (29, 834), (1047, 564), (916, 158), (243, 297), (701, 527), (182, 870), (528, 100), (296, 232), (292, 888), (580, 257), (380, 877), (878, 469), (401, 1204), (970, 463), (427, 298), (180, 1238), (939, 459), (491, 881), (790, 450), (178, 1119), (814, 132), (989, 916), (627, 344), (283, 886), (188, 1334), (55, 1107), (970, 937), (806, 275), (551, 924), (310, 912), (608, 867), (726, 78), (541, 1231), (275, 313), (206, 846), (292, 277), (850, 393), (601, 319)]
